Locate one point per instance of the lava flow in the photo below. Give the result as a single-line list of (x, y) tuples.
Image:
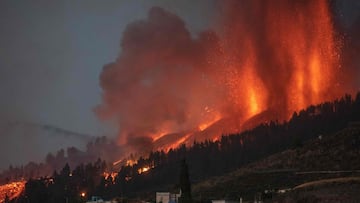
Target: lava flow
[(264, 60), (11, 190)]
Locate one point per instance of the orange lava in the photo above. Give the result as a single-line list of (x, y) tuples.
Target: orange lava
[(110, 174), (205, 125), (126, 162), (292, 65), (264, 60), (144, 169), (12, 190), (311, 46)]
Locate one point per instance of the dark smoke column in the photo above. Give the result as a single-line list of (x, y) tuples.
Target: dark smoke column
[(160, 82)]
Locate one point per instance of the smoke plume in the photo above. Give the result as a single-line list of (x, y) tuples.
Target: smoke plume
[(264, 60), (160, 81)]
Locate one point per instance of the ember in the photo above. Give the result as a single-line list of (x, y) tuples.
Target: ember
[(110, 174), (144, 169)]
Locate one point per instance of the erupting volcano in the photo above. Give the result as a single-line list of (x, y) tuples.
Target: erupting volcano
[(262, 61)]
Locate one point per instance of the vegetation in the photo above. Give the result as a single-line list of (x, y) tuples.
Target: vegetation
[(335, 156), (100, 147), (185, 185), (207, 159)]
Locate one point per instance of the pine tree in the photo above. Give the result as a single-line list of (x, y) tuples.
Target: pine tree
[(7, 199), (185, 185)]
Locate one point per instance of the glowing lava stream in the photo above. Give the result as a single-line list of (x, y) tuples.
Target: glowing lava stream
[(205, 125), (177, 143), (12, 190)]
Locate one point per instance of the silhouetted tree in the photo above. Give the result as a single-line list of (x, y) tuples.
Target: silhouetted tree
[(6, 200), (207, 158), (185, 184)]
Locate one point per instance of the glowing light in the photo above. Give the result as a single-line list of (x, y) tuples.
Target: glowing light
[(130, 162), (284, 63), (12, 190), (205, 125), (110, 174), (159, 135), (117, 162), (178, 142), (143, 169), (254, 105), (315, 76)]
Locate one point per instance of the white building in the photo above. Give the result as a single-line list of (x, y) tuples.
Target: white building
[(225, 201), (167, 197), (96, 199)]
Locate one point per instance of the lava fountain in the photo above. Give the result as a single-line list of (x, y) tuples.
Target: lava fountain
[(285, 52), (264, 60)]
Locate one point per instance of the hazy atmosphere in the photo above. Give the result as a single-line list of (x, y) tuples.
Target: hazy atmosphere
[(51, 58), (186, 101)]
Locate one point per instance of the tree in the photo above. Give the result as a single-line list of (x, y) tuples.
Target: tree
[(65, 172), (7, 200), (185, 185)]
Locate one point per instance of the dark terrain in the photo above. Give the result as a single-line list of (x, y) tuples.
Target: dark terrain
[(334, 158)]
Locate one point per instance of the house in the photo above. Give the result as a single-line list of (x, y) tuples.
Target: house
[(96, 199), (167, 197), (226, 201)]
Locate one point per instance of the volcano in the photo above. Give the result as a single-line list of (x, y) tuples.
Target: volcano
[(261, 61)]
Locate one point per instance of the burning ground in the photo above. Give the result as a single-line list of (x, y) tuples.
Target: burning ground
[(262, 61)]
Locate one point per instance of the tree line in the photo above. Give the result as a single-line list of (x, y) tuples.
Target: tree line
[(205, 159)]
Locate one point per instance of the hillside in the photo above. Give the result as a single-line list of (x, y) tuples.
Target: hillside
[(328, 156), (274, 155)]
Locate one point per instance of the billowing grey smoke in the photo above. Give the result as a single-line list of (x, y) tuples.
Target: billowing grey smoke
[(267, 60), (158, 82)]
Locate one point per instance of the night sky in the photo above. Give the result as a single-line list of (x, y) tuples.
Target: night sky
[(52, 52)]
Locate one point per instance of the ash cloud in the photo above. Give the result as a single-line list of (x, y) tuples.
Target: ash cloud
[(265, 60), (158, 82)]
